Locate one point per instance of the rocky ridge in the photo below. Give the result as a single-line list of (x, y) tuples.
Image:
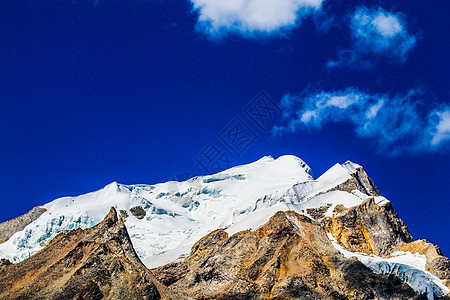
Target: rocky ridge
[(8, 228), (290, 257), (279, 236), (95, 263)]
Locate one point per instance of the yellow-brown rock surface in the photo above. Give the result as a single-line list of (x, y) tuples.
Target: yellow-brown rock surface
[(290, 257), (96, 263)]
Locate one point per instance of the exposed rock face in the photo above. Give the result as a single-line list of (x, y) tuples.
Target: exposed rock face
[(138, 212), (4, 263), (440, 267), (123, 214), (436, 264), (360, 181), (96, 263), (368, 228), (8, 228), (290, 257), (319, 212)]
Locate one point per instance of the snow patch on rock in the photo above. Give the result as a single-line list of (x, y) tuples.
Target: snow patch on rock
[(408, 267)]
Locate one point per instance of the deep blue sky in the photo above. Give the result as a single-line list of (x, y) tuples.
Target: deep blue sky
[(133, 91)]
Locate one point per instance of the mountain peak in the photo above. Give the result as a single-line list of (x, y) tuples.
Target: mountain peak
[(165, 220), (286, 166), (83, 261), (111, 217), (112, 187), (176, 212), (351, 166), (294, 160)]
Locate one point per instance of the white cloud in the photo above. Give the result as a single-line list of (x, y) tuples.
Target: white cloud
[(441, 130), (373, 110), (251, 17), (342, 101), (308, 115), (394, 123), (387, 25), (375, 34)]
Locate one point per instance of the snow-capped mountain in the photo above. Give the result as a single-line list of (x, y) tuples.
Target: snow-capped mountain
[(165, 220)]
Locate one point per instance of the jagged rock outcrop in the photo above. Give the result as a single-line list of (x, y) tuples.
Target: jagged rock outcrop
[(440, 267), (363, 182), (96, 263), (360, 181), (290, 257), (8, 228), (368, 228), (138, 212)]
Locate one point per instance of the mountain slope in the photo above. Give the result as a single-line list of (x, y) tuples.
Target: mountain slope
[(288, 257), (166, 220), (362, 252), (8, 228), (96, 263)]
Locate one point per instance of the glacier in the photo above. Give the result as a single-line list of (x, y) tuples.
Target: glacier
[(164, 220)]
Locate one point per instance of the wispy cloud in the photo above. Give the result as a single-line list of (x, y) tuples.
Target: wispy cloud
[(395, 124), (441, 128), (251, 18), (375, 34)]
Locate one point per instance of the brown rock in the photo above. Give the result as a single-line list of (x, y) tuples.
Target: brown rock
[(138, 212), (96, 263), (123, 214), (8, 228), (436, 264), (360, 181), (368, 228), (290, 257), (318, 213)]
